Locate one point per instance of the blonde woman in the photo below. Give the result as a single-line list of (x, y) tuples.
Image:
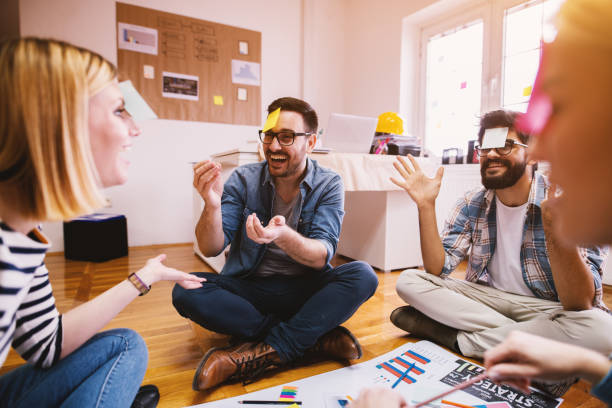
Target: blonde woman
[(63, 127)]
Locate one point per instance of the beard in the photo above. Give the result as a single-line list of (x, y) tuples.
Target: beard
[(514, 171), (291, 167)]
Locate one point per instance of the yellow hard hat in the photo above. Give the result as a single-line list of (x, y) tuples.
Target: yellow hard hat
[(390, 122)]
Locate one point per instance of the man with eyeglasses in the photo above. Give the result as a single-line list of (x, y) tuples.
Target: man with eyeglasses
[(277, 295), (519, 274)]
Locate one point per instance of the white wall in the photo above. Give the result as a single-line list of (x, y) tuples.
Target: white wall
[(325, 42), (373, 54), (339, 55), (157, 198)]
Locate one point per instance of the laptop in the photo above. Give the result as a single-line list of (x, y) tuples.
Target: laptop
[(349, 133)]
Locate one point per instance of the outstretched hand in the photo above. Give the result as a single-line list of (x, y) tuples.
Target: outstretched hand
[(422, 189), (155, 271), (265, 235)]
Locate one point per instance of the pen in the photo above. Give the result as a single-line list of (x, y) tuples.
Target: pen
[(456, 404), (455, 388), (254, 402), (403, 375)]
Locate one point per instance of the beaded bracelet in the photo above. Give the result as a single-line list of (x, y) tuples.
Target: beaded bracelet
[(139, 284)]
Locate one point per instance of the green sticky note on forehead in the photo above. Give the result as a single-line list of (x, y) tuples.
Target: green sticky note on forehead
[(272, 120), (495, 137), (135, 103)]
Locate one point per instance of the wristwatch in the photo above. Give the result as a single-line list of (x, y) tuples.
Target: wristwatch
[(139, 284)]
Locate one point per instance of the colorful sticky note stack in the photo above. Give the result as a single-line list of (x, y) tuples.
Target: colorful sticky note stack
[(288, 393)]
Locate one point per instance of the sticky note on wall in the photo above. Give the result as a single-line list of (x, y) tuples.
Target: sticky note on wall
[(218, 100)]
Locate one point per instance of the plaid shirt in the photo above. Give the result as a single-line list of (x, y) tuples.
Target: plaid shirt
[(472, 223)]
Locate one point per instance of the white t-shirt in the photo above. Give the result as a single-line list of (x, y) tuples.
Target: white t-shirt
[(505, 271)]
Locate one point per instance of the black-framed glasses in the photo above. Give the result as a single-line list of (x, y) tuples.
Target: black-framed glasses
[(284, 137), (502, 151)]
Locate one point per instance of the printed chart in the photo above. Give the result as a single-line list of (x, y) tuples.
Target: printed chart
[(395, 368), (418, 371)]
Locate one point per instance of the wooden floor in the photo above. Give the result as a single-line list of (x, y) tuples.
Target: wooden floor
[(176, 346)]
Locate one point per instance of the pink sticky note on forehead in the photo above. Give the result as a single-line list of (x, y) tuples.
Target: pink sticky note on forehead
[(539, 108)]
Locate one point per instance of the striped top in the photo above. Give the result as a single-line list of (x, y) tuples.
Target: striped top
[(29, 319)]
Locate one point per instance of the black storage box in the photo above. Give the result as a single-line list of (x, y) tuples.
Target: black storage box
[(403, 149), (96, 237)]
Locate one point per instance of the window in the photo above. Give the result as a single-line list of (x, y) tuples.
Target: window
[(454, 79), (478, 60), (524, 27)]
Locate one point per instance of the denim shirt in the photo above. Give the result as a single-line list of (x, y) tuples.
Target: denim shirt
[(473, 225), (250, 189)]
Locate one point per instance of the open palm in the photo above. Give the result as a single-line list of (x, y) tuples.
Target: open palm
[(422, 189)]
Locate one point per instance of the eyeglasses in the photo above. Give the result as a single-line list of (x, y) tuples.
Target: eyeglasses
[(502, 151), (285, 137)]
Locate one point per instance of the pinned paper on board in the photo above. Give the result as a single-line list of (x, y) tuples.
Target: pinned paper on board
[(135, 103), (137, 38), (242, 94), (495, 137), (243, 47), (246, 73), (272, 120), (180, 86), (218, 100), (148, 71)]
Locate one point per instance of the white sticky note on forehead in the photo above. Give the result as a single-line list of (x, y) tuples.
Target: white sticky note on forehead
[(495, 137)]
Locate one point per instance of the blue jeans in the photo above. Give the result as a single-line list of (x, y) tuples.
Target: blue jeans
[(288, 313), (106, 371)]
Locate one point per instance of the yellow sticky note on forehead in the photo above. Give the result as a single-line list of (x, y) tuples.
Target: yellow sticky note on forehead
[(272, 120)]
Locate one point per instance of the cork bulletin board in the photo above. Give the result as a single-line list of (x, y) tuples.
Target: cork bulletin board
[(190, 69)]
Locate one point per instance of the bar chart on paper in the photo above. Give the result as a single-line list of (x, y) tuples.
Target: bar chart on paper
[(417, 371), (389, 371)]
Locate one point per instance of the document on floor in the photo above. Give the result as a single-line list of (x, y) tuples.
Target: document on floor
[(416, 370)]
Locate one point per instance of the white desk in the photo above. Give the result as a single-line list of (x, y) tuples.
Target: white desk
[(607, 271), (380, 226)]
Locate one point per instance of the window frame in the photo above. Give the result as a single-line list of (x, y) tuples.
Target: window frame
[(492, 13)]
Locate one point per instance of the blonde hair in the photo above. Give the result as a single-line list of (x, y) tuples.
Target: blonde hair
[(586, 23), (45, 155)]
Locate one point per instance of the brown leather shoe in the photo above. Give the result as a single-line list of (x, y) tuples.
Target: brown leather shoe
[(244, 362), (338, 343), (419, 325)]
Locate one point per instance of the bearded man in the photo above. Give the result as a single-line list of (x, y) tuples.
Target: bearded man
[(519, 276)]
